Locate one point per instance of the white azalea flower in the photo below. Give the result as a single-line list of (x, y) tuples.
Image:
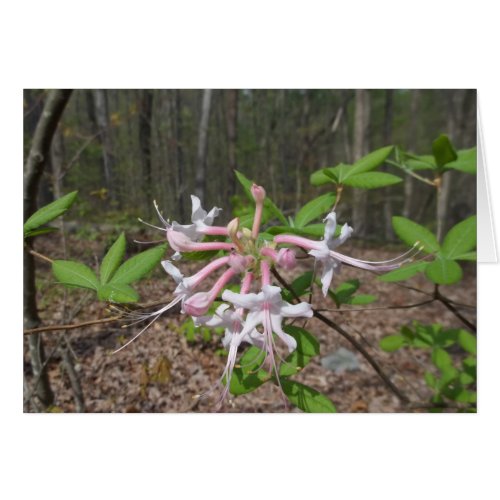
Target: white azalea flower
[(322, 253), (268, 309), (200, 221)]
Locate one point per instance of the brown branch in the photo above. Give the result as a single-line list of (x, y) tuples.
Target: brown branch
[(40, 256), (407, 306), (454, 310), (350, 339)]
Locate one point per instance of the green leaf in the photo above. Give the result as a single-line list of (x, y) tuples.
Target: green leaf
[(139, 265), (430, 380), (443, 150), (72, 273), (247, 184), (39, 231), (243, 383), (307, 348), (112, 259), (345, 290), (404, 273), (460, 239), (319, 178), (361, 299), (467, 341), (117, 292), (443, 271), (372, 180), (423, 162), (466, 161), (307, 344), (392, 343), (467, 256), (49, 212), (370, 161), (300, 286), (314, 209), (306, 398), (411, 233), (442, 360)]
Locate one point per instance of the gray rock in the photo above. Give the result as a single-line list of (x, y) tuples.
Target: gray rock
[(340, 361)]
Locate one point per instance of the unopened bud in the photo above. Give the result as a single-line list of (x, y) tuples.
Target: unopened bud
[(286, 259), (232, 230), (258, 193), (198, 304)]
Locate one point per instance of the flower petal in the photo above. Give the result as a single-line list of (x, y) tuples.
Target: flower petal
[(290, 342), (330, 226), (245, 300), (173, 271), (303, 309), (327, 275), (197, 214), (209, 219)]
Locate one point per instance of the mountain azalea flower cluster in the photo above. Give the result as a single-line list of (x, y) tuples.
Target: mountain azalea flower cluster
[(256, 314)]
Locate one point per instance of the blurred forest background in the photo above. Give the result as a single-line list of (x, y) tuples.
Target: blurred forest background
[(123, 148)]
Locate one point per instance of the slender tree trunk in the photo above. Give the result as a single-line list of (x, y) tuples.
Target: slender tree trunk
[(412, 144), (102, 122), (389, 113), (201, 159), (232, 136), (145, 138), (360, 148), (179, 151), (304, 153), (455, 111), (37, 159)]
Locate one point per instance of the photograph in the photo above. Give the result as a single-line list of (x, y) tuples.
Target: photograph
[(249, 250)]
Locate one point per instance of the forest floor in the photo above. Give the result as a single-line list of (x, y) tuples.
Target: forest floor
[(163, 371)]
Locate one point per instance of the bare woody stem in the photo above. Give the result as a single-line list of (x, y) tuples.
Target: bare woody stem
[(350, 339), (453, 309)]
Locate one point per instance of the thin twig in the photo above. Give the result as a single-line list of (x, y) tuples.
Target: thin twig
[(407, 306), (453, 309), (40, 256)]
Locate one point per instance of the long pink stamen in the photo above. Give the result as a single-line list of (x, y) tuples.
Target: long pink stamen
[(364, 265)]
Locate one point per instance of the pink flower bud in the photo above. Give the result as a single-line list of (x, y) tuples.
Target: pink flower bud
[(286, 259), (198, 304), (258, 193)]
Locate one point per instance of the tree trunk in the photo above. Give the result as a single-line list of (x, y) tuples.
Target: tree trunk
[(102, 122), (37, 159), (232, 137), (388, 117), (360, 148), (145, 138), (302, 162), (455, 112), (201, 159), (412, 146), (179, 151)]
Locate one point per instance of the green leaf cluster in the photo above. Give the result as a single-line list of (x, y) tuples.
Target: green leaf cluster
[(458, 244), (449, 381), (444, 157), (115, 277)]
